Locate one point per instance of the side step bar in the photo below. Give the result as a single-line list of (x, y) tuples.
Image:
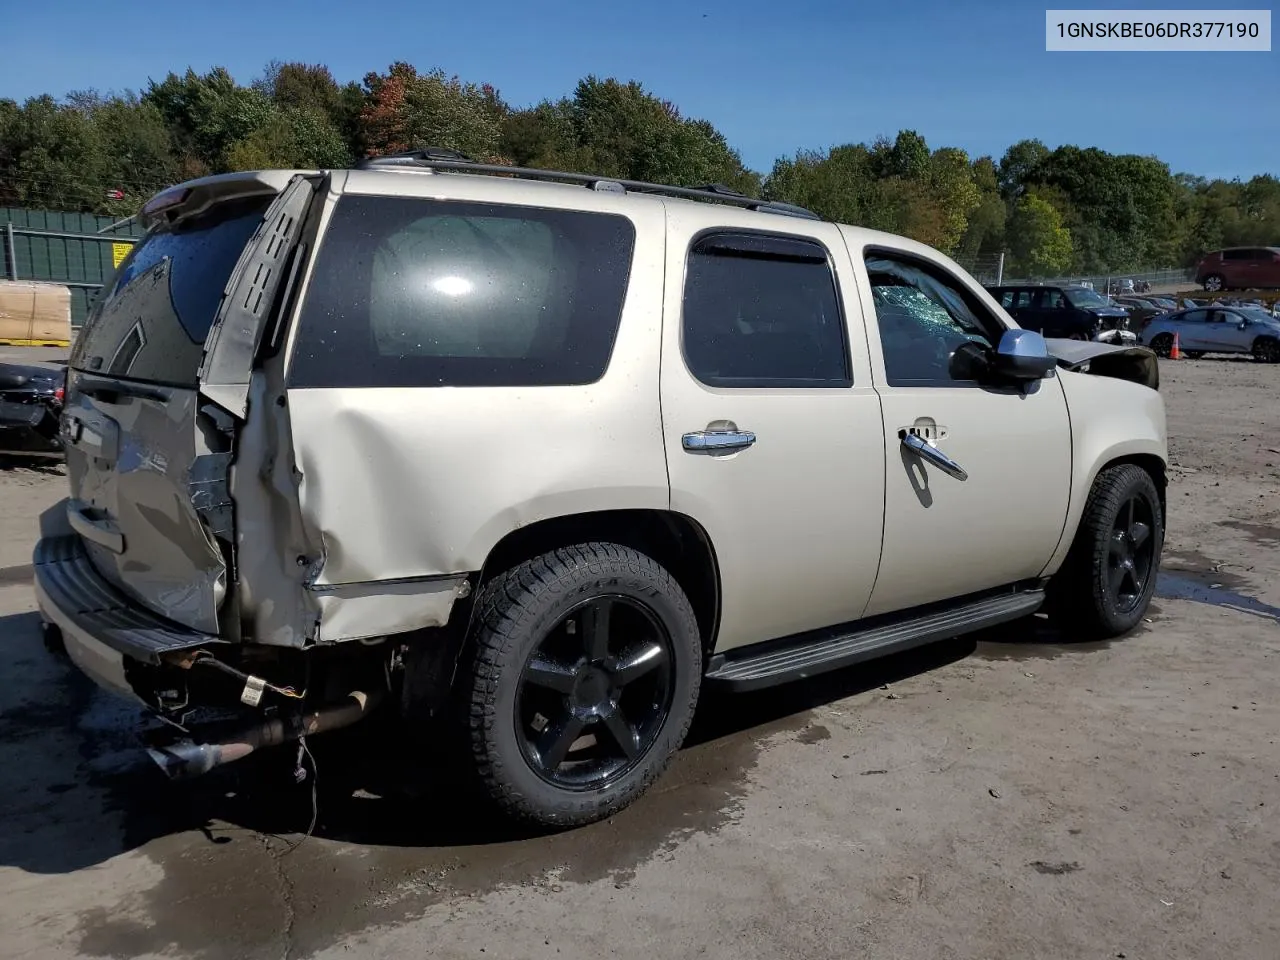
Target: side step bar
[(809, 654)]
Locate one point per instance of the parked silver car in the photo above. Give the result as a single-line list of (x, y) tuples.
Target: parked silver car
[(1216, 330)]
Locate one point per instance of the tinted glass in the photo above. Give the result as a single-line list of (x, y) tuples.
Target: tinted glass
[(1053, 300), (1237, 254), (408, 292), (1084, 298), (923, 316), (151, 322), (760, 312)]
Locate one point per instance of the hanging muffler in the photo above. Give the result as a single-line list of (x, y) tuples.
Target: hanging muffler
[(187, 758)]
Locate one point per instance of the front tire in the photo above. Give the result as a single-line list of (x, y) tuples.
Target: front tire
[(1109, 577), (587, 662), (1215, 282), (1267, 349), (1162, 345)]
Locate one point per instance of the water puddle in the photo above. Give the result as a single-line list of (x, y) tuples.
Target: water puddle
[(1183, 586)]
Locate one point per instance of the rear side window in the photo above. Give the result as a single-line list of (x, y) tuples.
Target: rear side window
[(1237, 254), (151, 322), (415, 293), (763, 311)]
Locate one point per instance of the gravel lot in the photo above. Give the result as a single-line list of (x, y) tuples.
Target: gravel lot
[(1012, 797)]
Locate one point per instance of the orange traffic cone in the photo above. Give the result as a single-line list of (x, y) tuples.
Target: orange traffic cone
[(1176, 352)]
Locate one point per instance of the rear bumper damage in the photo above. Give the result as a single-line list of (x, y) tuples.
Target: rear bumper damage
[(173, 670)]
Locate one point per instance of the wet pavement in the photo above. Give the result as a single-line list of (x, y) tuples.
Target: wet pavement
[(1008, 796)]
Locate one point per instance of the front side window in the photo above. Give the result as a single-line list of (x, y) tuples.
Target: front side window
[(761, 310), (924, 314), (419, 293)]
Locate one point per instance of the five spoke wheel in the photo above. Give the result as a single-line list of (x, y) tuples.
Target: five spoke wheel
[(1131, 553), (595, 692)]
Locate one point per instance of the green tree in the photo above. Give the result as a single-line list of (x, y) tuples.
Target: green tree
[(50, 156), (984, 231), (207, 114), (621, 130), (407, 110), (1040, 244)]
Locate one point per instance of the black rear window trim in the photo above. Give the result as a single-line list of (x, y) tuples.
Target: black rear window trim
[(771, 383)]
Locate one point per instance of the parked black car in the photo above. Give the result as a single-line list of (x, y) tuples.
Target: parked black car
[(30, 408), (1070, 312)]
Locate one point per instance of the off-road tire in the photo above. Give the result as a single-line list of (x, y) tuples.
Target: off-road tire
[(513, 614), (1079, 600)]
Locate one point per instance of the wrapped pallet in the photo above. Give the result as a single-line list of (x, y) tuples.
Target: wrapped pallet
[(34, 314)]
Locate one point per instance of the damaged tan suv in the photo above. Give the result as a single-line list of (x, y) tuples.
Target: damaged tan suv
[(532, 458)]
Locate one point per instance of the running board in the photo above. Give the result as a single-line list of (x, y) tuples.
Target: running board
[(809, 654)]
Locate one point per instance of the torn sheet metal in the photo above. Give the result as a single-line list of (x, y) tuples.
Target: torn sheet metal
[(1124, 362), (358, 611)]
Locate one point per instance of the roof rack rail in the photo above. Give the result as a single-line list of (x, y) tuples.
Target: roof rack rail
[(435, 158)]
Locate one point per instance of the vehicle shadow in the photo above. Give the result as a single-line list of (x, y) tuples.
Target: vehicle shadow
[(43, 464), (81, 791)]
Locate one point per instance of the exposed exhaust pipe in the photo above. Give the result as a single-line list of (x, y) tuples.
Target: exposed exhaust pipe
[(186, 758)]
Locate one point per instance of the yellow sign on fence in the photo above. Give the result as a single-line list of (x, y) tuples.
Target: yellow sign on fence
[(118, 252)]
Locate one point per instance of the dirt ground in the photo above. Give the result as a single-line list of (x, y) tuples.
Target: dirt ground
[(1010, 797)]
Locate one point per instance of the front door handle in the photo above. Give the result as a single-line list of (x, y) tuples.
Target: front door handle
[(922, 447), (717, 440)]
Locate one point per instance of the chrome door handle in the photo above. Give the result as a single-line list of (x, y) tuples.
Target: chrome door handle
[(718, 440), (920, 446)]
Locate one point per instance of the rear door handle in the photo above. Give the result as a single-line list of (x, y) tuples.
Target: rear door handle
[(717, 440), (920, 446)]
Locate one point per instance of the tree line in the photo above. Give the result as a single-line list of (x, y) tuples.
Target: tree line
[(1071, 209)]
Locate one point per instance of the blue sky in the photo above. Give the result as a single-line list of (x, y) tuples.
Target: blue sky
[(774, 77)]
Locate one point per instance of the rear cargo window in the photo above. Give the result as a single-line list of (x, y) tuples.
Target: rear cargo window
[(151, 323), (409, 292)]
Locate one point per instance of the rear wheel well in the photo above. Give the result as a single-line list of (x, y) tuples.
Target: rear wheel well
[(676, 541)]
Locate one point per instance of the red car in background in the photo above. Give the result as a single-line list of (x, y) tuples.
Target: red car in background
[(1240, 268)]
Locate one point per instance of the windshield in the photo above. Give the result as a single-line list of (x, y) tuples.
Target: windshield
[(1086, 299), (152, 320), (1255, 313)]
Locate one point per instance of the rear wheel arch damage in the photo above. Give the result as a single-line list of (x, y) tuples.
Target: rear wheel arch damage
[(676, 542)]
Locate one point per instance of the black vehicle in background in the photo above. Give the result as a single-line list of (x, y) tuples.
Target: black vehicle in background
[(1068, 312), (30, 408)]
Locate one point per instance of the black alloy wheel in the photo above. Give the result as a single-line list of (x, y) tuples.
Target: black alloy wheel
[(1162, 345), (583, 676), (1132, 552), (595, 693)]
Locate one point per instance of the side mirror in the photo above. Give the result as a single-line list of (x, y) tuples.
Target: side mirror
[(1023, 355)]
